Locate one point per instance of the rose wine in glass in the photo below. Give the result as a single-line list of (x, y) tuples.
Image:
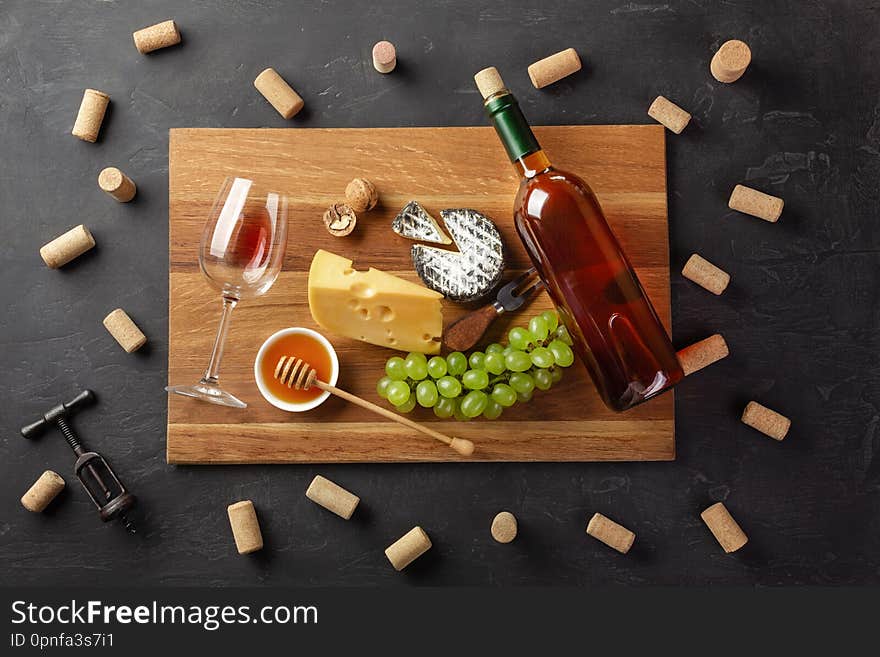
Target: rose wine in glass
[(241, 252)]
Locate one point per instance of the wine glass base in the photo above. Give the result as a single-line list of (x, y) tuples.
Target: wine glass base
[(212, 394)]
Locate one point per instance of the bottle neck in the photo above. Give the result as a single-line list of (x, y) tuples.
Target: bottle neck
[(515, 134), (532, 164)]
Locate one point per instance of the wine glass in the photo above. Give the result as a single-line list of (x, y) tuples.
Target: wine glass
[(241, 252)]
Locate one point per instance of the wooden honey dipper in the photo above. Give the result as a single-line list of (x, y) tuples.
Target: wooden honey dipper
[(296, 373)]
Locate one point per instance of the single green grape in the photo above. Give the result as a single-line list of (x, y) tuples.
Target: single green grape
[(518, 361), (395, 368), (398, 392), (477, 360), (504, 395), (543, 379), (551, 318), (524, 396), (474, 403), (521, 382), (456, 363), (449, 386), (538, 328), (382, 386), (457, 413), (417, 355), (493, 410), (406, 406), (519, 338), (475, 379), (562, 334), (444, 408), (426, 394), (561, 352), (542, 357), (416, 368), (556, 374), (437, 367), (495, 363), (494, 348)]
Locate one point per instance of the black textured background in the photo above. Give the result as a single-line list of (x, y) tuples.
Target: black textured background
[(800, 315)]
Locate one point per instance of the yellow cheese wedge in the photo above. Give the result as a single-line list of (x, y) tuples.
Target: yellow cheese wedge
[(374, 306)]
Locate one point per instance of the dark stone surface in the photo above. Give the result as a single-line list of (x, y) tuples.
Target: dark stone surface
[(800, 316)]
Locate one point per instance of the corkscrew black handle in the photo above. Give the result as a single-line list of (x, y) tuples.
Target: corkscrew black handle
[(61, 411)]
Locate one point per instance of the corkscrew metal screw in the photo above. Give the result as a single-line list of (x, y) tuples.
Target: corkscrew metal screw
[(92, 470)]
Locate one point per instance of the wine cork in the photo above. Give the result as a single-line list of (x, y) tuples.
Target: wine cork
[(126, 332), (154, 37), (702, 354), (489, 82), (758, 204), (117, 184), (332, 497), (504, 527), (66, 247), (765, 420), (361, 195), (555, 67), (44, 490), (731, 61), (91, 115), (669, 114), (245, 527), (724, 528), (705, 274), (408, 548), (611, 533), (279, 94), (384, 57)]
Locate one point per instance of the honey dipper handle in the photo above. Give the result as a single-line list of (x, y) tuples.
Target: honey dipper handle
[(460, 445)]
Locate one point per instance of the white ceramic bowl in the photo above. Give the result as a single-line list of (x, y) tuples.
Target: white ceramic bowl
[(286, 405)]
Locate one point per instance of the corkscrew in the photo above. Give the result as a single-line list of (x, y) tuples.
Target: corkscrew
[(92, 469)]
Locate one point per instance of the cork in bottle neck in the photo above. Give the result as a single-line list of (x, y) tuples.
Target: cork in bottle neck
[(511, 126), (489, 83)]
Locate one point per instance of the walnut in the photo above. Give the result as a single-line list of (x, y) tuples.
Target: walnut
[(361, 195), (340, 219)]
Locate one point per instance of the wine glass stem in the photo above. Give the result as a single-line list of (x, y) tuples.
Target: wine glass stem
[(212, 374)]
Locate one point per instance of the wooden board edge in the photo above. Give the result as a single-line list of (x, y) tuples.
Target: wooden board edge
[(181, 439)]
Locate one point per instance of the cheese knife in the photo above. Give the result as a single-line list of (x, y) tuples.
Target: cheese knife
[(464, 333)]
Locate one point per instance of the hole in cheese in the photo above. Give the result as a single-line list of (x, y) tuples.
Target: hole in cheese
[(362, 290), (364, 313), (385, 313)]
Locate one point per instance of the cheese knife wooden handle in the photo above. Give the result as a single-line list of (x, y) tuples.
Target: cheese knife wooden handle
[(464, 333)]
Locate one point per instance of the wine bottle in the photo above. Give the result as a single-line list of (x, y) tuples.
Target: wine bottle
[(614, 327)]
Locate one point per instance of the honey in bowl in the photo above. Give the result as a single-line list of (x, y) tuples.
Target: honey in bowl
[(302, 346)]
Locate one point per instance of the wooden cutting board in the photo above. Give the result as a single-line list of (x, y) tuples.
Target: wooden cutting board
[(441, 168)]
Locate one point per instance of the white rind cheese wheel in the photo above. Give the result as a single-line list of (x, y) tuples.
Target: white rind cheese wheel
[(475, 269)]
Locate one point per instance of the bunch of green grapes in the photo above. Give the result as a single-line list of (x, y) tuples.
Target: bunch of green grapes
[(485, 382)]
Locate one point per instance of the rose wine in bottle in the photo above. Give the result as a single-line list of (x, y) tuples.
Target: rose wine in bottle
[(614, 327)]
